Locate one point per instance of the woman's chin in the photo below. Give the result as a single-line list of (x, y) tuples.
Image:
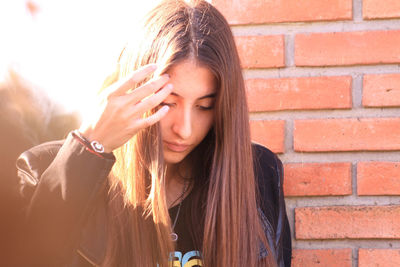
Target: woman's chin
[(173, 157)]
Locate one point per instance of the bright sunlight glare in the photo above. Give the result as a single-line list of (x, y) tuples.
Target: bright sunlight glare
[(66, 48)]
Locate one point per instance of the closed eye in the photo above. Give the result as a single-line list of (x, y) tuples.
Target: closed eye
[(174, 104), (167, 104), (205, 108)]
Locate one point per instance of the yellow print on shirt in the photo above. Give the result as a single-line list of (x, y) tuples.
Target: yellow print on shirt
[(190, 259)]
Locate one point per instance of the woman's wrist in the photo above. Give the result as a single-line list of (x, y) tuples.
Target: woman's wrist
[(92, 146)]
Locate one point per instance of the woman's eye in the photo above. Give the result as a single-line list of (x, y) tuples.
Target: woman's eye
[(167, 104), (205, 108)]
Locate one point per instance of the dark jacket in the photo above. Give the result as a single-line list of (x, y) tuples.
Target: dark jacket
[(64, 191)]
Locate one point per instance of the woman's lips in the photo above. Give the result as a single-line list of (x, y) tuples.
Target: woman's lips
[(176, 147)]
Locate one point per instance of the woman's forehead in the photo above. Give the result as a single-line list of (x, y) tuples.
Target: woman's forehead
[(191, 80)]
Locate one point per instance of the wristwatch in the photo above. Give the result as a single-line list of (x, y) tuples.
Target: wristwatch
[(97, 147)]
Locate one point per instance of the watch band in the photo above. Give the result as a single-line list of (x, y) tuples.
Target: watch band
[(99, 148), (94, 146)]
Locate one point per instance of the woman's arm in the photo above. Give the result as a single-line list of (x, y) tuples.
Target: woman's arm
[(60, 187), (269, 175), (60, 184), (284, 240)]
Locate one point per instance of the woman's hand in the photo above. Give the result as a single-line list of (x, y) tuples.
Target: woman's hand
[(121, 113)]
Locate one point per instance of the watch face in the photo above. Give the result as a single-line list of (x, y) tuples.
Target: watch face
[(97, 147)]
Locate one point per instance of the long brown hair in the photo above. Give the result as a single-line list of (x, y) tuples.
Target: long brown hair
[(230, 232)]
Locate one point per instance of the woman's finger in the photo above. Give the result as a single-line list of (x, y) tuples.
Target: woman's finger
[(153, 100), (148, 88), (122, 86), (150, 120)]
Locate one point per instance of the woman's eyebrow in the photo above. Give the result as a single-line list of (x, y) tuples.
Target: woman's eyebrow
[(206, 96)]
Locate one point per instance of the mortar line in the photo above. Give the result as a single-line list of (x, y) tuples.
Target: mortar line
[(348, 201), (289, 50), (347, 243), (316, 27), (292, 72), (357, 11), (327, 114), (354, 178), (357, 89), (355, 256)]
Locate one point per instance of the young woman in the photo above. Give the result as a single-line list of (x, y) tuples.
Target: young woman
[(165, 174)]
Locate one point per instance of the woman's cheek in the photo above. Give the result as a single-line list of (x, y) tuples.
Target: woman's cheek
[(207, 120)]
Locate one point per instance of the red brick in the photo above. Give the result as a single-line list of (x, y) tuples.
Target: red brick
[(381, 90), (322, 258), (378, 257), (365, 134), (299, 93), (256, 11), (261, 51), (353, 222), (317, 179), (378, 178), (379, 9), (269, 133), (347, 48)]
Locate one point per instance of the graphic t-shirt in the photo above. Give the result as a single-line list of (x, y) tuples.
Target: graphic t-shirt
[(186, 254), (267, 176)]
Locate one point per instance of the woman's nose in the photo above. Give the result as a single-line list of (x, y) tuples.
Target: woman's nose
[(183, 124)]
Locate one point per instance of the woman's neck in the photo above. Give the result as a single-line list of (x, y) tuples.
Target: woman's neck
[(177, 179)]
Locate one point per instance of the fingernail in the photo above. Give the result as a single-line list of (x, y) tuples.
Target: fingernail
[(165, 108), (153, 66), (169, 86)]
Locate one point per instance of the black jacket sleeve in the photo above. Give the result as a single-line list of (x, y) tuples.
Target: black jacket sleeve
[(59, 182), (269, 175)]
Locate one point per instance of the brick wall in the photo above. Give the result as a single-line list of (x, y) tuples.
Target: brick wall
[(323, 84)]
